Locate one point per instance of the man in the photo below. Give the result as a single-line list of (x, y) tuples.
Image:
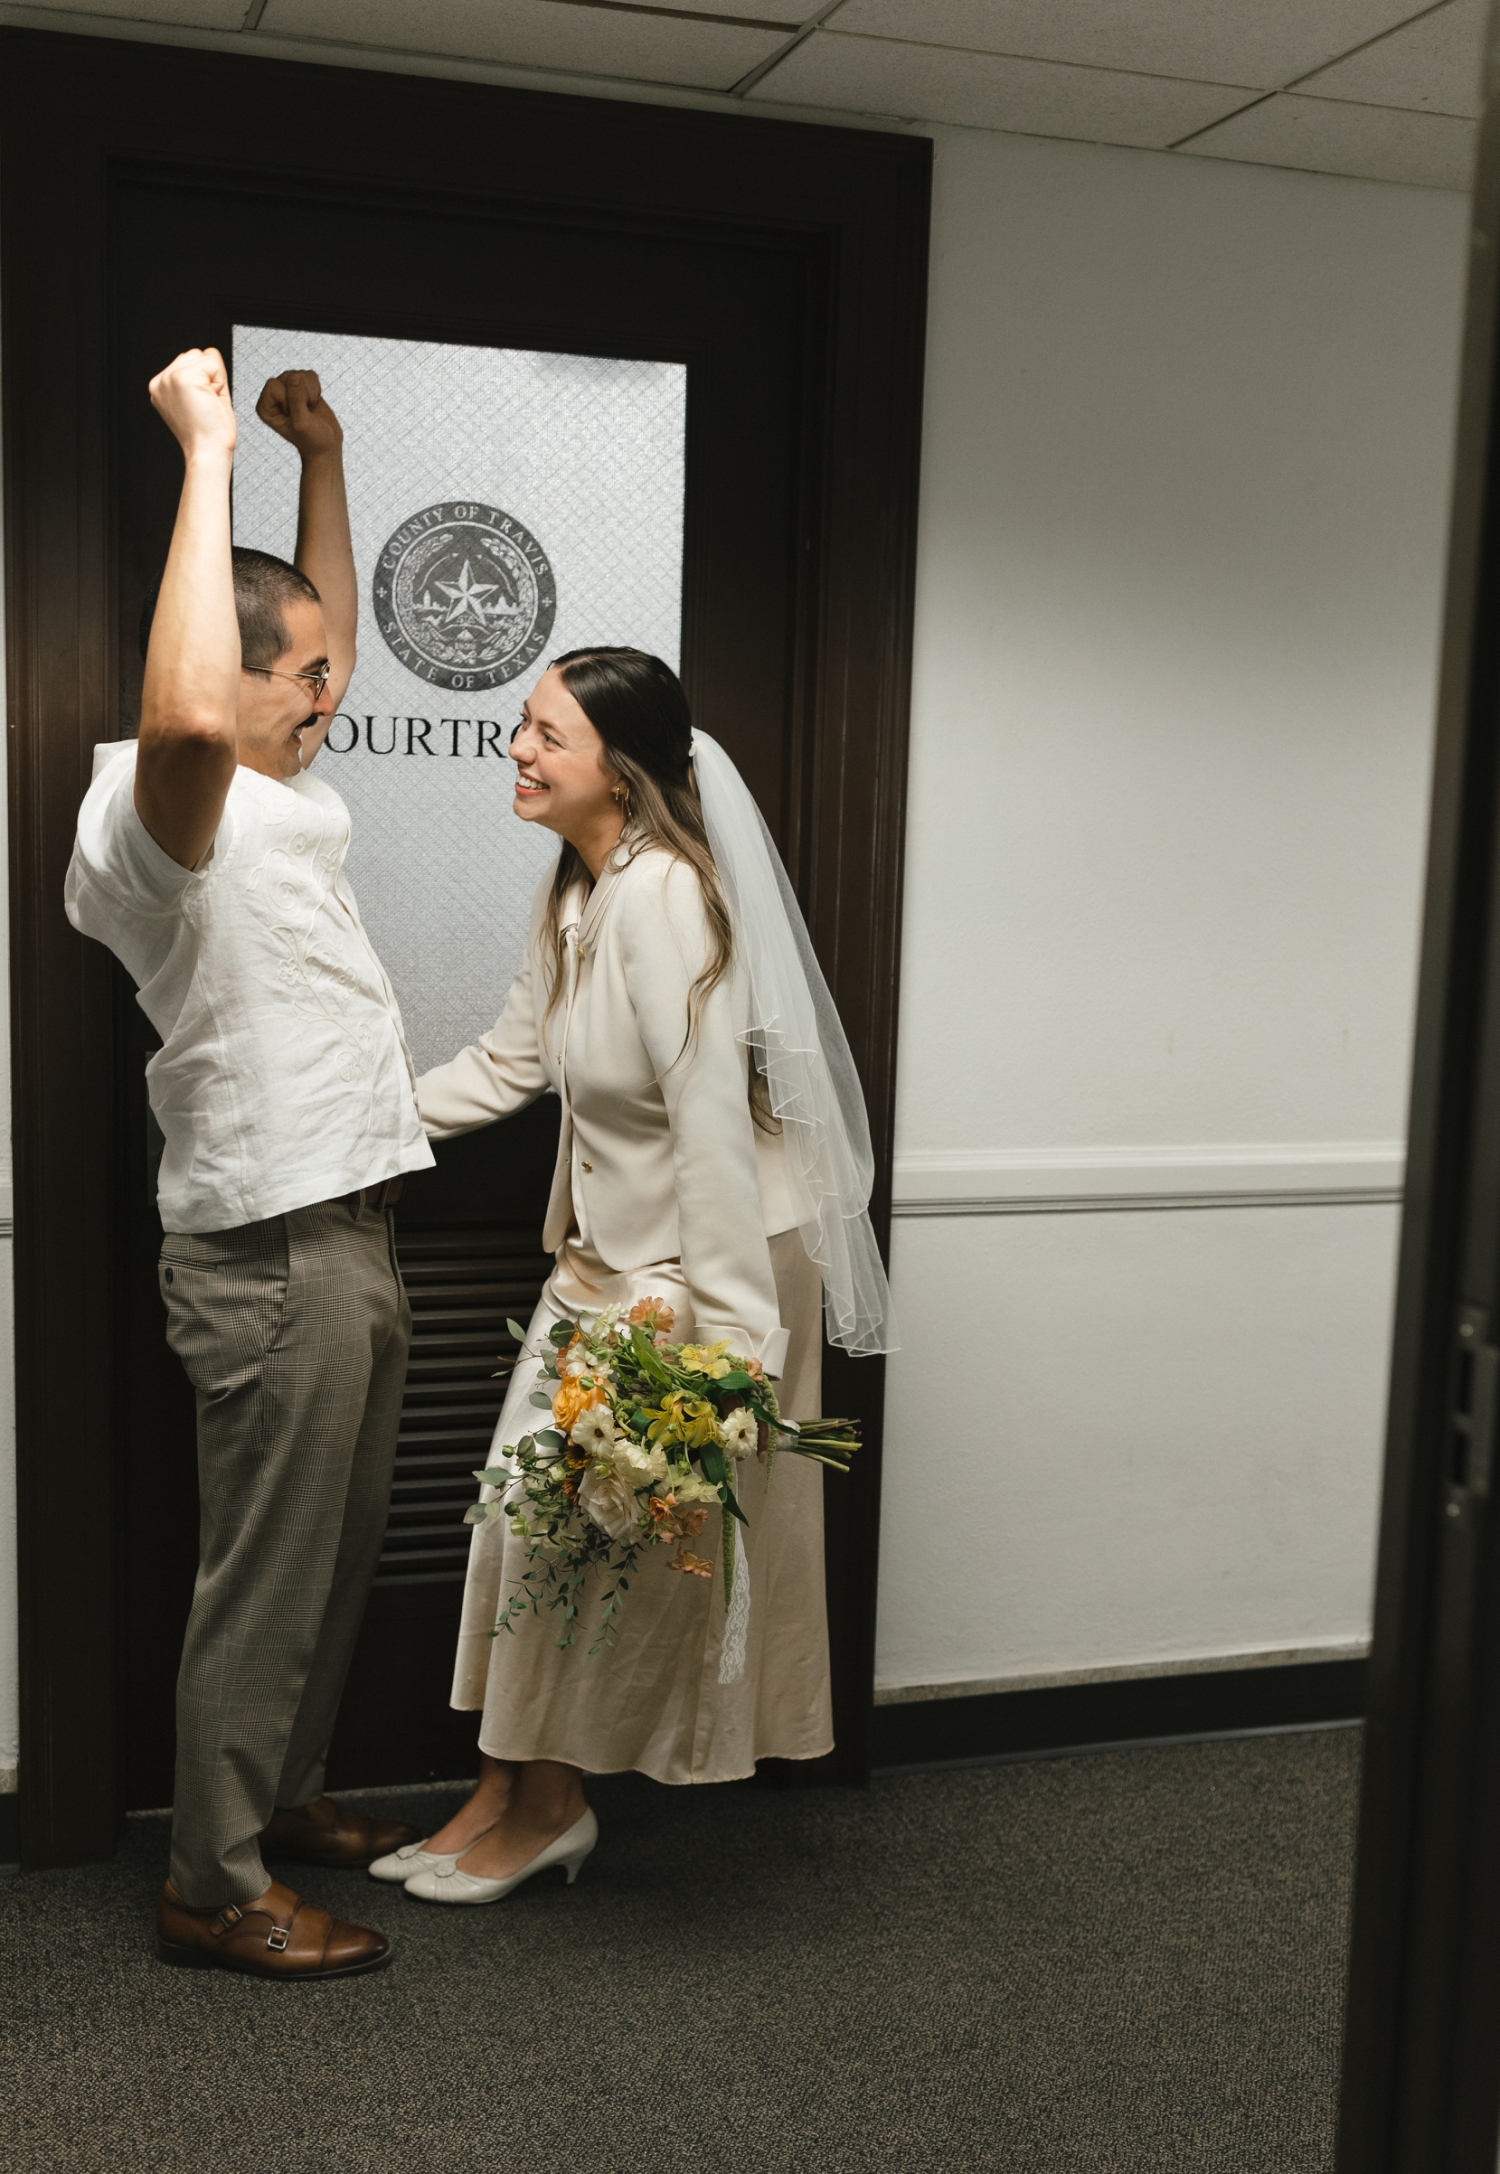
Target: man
[(210, 863)]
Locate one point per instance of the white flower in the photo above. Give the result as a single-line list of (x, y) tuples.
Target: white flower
[(594, 1431), (740, 1432), (639, 1464), (576, 1362), (688, 1488), (608, 1498)]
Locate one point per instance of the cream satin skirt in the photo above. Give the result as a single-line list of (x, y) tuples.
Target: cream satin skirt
[(653, 1701)]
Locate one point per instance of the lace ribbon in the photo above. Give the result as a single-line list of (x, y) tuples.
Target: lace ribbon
[(737, 1619)]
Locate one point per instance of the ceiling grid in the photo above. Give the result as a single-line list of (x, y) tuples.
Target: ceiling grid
[(1377, 89)]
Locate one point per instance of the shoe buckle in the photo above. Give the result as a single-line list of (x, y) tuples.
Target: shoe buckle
[(229, 1916), (278, 1937)]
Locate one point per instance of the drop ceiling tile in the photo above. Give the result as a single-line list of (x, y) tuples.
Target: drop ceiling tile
[(1376, 143), (791, 12), (1432, 65), (986, 90), (1263, 43), (537, 34), (190, 14)]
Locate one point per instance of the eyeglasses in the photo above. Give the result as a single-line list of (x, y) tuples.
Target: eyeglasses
[(317, 679)]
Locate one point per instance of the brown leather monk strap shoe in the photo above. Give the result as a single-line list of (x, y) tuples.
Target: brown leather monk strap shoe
[(276, 1936), (325, 1833)]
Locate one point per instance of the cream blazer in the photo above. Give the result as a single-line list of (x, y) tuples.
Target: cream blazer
[(658, 1158)]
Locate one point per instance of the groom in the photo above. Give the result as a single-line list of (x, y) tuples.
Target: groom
[(210, 863)]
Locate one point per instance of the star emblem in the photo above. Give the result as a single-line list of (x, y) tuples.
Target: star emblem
[(465, 594)]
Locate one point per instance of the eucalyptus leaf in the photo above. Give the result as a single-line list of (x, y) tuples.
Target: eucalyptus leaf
[(515, 1329), (540, 1399), (549, 1438), (560, 1333)]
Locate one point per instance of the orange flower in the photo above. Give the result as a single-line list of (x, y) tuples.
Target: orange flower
[(693, 1564), (571, 1401), (655, 1310), (670, 1523)]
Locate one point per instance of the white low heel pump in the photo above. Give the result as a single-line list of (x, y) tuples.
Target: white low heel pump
[(569, 1850), (413, 1857)]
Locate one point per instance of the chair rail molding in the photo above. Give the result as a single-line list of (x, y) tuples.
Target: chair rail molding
[(1062, 1180)]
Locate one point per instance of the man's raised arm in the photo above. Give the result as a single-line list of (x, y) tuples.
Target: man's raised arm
[(188, 743), (293, 406)]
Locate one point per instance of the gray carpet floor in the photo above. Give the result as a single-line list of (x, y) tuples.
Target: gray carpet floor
[(1097, 1965)]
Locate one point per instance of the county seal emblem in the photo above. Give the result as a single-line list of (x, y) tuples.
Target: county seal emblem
[(464, 595)]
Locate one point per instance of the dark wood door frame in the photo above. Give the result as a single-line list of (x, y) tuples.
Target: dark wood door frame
[(72, 113), (1421, 2087)]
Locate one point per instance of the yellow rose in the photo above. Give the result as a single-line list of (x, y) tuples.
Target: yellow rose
[(572, 1401)]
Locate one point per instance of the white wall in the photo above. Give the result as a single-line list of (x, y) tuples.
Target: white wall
[(1184, 497)]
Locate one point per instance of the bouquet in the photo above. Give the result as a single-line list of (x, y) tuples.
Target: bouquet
[(644, 1441)]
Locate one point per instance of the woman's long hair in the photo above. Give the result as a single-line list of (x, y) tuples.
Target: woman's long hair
[(636, 705)]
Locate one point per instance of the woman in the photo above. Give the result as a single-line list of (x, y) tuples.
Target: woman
[(714, 1159)]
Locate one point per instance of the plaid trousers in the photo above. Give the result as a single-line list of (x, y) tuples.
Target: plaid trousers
[(294, 1333)]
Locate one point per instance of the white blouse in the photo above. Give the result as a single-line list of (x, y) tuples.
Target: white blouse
[(659, 1158)]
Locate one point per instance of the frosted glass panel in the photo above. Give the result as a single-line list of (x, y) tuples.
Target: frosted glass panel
[(506, 506)]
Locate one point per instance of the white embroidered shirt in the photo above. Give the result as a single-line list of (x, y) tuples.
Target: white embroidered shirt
[(283, 1076)]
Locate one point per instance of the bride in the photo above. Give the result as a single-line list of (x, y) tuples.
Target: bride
[(714, 1158)]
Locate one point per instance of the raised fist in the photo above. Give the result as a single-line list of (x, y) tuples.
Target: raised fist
[(192, 398), (293, 406)]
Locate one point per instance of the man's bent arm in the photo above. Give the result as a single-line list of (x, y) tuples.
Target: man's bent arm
[(188, 744)]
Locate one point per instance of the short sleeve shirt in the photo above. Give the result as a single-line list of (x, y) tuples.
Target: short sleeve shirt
[(283, 1077)]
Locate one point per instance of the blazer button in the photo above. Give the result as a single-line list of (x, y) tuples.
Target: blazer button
[(590, 1168)]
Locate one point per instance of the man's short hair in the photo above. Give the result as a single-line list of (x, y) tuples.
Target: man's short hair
[(263, 586)]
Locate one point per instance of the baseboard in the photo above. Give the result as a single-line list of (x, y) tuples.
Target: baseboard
[(1080, 1716), (10, 1832)]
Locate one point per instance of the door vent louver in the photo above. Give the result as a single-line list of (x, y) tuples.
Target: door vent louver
[(463, 1284)]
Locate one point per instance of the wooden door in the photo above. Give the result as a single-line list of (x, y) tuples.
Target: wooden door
[(152, 198), (191, 259)]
